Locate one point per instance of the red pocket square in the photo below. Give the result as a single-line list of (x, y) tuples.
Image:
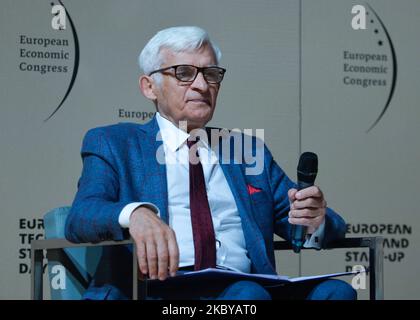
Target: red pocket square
[(252, 190)]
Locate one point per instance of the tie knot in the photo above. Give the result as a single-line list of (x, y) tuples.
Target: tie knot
[(190, 143)]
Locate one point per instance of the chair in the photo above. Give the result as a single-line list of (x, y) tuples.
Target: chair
[(376, 259), (80, 260)]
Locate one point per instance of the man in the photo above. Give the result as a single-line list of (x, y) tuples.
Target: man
[(184, 215)]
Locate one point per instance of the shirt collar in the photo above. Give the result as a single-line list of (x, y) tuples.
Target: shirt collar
[(172, 136)]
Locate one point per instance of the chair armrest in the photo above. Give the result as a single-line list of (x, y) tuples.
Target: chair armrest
[(376, 259), (37, 255), (341, 243)]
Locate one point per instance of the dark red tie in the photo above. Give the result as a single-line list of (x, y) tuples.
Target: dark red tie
[(202, 224)]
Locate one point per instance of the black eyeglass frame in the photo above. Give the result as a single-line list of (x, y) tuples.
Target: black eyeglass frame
[(199, 69)]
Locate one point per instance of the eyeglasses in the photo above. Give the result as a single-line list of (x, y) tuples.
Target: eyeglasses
[(188, 73)]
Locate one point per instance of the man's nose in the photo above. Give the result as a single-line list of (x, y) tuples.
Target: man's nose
[(200, 83)]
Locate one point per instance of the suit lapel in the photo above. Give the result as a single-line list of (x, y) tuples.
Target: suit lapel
[(154, 160), (254, 239)]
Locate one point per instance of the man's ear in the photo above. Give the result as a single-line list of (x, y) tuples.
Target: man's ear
[(146, 85)]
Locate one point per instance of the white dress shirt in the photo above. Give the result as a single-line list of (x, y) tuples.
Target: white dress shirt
[(230, 242)]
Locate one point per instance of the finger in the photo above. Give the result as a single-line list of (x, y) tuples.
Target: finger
[(299, 221), (292, 194), (141, 276), (163, 258), (313, 191), (308, 222), (305, 213), (313, 203), (151, 254), (141, 257), (173, 254)]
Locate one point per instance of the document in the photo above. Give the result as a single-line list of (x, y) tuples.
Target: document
[(263, 279)]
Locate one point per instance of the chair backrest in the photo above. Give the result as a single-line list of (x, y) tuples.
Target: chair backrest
[(79, 264)]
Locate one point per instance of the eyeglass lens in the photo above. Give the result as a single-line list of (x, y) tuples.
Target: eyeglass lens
[(189, 73)]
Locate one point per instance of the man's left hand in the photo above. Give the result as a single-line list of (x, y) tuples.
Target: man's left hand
[(307, 207)]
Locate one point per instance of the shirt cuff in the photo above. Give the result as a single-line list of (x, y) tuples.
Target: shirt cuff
[(315, 240), (124, 217)]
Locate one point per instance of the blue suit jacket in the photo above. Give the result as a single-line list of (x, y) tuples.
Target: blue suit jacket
[(120, 167)]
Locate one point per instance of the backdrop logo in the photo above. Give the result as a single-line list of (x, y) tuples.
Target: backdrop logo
[(58, 22), (371, 68), (394, 63)]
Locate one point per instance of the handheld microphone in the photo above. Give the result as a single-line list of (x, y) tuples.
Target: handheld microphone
[(306, 174)]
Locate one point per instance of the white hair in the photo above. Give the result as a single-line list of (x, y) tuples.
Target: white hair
[(176, 39)]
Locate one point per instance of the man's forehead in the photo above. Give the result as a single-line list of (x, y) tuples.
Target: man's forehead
[(203, 56)]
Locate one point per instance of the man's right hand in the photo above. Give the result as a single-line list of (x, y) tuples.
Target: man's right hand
[(157, 248)]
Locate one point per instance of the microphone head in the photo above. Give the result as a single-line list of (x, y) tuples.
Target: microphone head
[(307, 167)]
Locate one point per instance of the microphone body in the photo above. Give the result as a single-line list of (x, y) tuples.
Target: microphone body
[(306, 173)]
